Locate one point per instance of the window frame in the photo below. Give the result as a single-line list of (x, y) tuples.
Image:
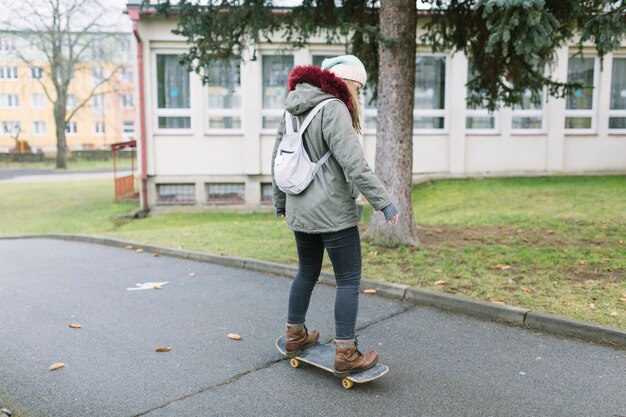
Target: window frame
[(36, 70), (175, 202), (12, 101), (236, 112), (6, 70), (593, 112), (239, 201), (69, 131), (97, 104), (615, 112), (6, 122), (96, 124), (531, 113), (45, 128), (169, 112), (272, 112), (32, 101), (123, 100)]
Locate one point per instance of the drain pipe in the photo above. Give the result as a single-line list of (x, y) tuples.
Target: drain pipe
[(134, 14)]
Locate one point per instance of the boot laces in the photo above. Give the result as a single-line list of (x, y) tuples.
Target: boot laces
[(356, 347)]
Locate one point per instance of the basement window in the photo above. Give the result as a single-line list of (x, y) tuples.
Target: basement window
[(226, 193), (176, 193)]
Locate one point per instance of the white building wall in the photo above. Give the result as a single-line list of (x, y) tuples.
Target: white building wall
[(199, 157)]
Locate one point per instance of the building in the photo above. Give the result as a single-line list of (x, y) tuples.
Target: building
[(212, 145), (105, 82)]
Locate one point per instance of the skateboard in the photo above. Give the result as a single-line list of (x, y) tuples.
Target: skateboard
[(323, 356)]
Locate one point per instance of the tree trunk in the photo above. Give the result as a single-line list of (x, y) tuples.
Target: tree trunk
[(59, 120), (394, 137)]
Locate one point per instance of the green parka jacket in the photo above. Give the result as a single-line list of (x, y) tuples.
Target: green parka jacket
[(328, 204)]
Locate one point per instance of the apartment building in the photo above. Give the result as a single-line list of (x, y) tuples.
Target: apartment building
[(102, 88)]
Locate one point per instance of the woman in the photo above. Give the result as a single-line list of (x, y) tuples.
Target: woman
[(324, 215)]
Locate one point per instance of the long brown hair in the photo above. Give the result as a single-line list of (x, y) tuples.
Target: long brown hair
[(353, 88)]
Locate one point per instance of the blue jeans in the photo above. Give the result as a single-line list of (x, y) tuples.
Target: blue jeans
[(344, 250)]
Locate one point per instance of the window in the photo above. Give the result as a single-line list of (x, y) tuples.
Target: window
[(529, 115), (617, 108), (97, 103), (173, 96), (35, 73), (318, 59), (97, 49), (176, 193), (8, 73), (430, 93), (126, 73), (97, 76), (226, 193), (9, 128), (9, 100), (476, 118), (126, 101), (224, 89), (37, 101), (276, 69), (71, 128), (579, 105), (7, 43), (123, 44), (39, 128), (128, 130), (267, 193), (98, 128), (71, 101)]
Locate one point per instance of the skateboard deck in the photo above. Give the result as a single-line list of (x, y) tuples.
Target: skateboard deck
[(323, 356)]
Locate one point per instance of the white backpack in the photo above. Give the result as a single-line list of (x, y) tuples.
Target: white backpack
[(293, 169)]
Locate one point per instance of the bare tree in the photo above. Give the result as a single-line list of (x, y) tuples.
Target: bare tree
[(64, 38)]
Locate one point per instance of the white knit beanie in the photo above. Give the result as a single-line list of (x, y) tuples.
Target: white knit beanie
[(347, 67)]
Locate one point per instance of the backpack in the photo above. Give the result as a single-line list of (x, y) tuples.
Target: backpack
[(293, 169)]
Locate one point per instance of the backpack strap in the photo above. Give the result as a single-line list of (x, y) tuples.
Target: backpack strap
[(289, 123), (313, 113)]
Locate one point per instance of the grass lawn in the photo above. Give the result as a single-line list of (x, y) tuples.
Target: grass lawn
[(72, 164), (549, 244)]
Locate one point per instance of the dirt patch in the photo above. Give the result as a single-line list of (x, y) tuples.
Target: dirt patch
[(457, 236)]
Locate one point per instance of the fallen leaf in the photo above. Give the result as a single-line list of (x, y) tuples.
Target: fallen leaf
[(527, 290), (369, 291), (440, 282), (156, 255), (74, 325), (525, 239), (550, 232), (234, 336), (613, 314), (581, 262), (192, 274), (623, 300), (128, 247), (56, 366), (505, 267), (457, 276), (157, 287), (592, 306), (440, 231), (139, 250), (163, 349), (498, 302), (609, 270), (439, 270)]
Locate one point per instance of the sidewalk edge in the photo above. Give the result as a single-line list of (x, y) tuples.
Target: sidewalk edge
[(512, 315)]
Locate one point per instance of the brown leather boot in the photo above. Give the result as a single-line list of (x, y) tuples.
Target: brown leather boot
[(349, 359), (297, 337)]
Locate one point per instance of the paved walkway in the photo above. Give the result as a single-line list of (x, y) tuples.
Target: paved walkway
[(51, 175), (441, 364)]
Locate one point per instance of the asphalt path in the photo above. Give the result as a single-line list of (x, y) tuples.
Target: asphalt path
[(51, 175), (441, 364)]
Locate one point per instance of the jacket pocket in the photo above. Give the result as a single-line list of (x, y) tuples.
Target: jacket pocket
[(354, 192)]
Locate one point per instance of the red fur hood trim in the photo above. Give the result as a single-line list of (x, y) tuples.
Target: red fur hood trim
[(324, 79)]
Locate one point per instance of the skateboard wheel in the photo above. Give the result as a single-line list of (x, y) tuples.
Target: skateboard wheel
[(346, 383), (295, 363)]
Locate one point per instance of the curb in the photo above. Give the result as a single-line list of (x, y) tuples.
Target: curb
[(511, 315)]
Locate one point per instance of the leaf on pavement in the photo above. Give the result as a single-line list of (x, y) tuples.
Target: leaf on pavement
[(139, 250), (74, 326), (163, 349), (369, 291), (156, 255), (192, 274), (56, 366), (234, 336), (128, 247)]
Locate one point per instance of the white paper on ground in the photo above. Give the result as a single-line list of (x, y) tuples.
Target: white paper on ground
[(147, 286)]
